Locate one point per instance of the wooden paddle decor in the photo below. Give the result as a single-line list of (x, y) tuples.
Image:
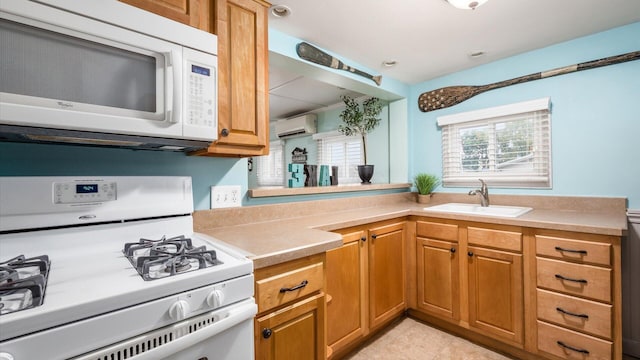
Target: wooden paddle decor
[(311, 53), (452, 95)]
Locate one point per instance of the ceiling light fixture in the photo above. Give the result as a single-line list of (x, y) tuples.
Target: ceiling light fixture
[(466, 4), (280, 11), (389, 63)]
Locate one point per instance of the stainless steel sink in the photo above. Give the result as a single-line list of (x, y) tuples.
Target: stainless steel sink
[(473, 209)]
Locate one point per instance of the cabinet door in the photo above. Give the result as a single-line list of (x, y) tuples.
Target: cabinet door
[(191, 12), (346, 312), (295, 332), (386, 273), (243, 127), (438, 278), (496, 294)]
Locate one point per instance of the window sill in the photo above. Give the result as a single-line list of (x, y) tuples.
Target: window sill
[(282, 191)]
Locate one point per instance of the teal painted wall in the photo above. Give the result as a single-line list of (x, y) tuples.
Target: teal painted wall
[(595, 115), (66, 160)]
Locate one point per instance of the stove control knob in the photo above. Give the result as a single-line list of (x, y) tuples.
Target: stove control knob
[(6, 356), (179, 310), (215, 298)]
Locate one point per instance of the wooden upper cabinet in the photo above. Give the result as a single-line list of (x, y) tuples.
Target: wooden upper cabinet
[(243, 95), (196, 13)]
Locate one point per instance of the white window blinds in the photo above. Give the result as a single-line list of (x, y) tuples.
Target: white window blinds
[(345, 152), (270, 168), (507, 146)]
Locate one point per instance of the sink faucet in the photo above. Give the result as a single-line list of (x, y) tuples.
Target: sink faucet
[(483, 192)]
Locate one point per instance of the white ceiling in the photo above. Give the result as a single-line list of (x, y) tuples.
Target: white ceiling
[(429, 38)]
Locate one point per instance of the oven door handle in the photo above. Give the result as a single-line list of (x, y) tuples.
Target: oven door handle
[(237, 314)]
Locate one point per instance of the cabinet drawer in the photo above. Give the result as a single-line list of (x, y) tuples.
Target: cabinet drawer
[(272, 291), (576, 250), (507, 240), (583, 280), (574, 313), (567, 344), (437, 230)]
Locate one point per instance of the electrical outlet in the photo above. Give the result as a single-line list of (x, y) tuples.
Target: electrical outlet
[(225, 196)]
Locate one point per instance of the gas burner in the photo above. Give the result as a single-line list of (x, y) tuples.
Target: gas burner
[(23, 282), (155, 259)]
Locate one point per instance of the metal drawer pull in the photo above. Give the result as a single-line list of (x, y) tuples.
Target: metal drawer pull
[(299, 286), (583, 252), (582, 281), (584, 316), (582, 351)]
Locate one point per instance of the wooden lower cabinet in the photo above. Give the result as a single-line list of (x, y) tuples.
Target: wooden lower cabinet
[(290, 324), (495, 293), (532, 293), (386, 273), (346, 283), (365, 282), (438, 277), (292, 333), (471, 275), (578, 295)]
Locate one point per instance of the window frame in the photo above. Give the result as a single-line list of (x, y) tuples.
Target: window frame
[(540, 176), (345, 168), (271, 179)]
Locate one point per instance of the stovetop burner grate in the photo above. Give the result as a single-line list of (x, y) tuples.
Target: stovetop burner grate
[(23, 282), (155, 259)]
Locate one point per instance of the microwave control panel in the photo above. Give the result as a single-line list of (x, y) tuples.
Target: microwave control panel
[(84, 192), (200, 100)]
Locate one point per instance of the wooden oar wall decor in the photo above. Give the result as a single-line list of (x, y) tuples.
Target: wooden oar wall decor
[(452, 95), (311, 53)]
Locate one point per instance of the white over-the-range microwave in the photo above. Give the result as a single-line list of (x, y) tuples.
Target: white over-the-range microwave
[(105, 73)]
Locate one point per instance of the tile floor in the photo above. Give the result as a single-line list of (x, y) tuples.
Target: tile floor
[(409, 339)]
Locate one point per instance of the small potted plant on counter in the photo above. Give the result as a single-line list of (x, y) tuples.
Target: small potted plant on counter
[(425, 183), (360, 121)]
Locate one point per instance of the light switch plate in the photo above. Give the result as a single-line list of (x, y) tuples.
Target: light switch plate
[(226, 196)]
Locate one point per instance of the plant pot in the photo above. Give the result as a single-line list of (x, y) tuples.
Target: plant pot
[(366, 173), (423, 199)]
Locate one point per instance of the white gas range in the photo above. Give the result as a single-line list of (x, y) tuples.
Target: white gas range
[(97, 298)]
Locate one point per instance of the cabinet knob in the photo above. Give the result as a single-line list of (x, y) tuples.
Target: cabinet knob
[(224, 132), (374, 236), (363, 239), (266, 333), (470, 253), (453, 250)]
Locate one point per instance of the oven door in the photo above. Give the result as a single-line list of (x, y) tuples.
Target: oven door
[(223, 334), (62, 70)]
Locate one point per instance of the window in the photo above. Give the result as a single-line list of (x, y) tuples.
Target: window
[(270, 170), (345, 152), (507, 146)]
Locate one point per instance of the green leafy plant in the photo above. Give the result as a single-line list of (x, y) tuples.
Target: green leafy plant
[(360, 120), (426, 183)]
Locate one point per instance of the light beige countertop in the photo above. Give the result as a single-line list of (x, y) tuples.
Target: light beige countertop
[(271, 234)]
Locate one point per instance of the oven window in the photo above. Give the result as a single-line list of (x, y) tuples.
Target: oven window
[(45, 64)]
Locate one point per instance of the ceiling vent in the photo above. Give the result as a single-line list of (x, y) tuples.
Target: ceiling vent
[(298, 126)]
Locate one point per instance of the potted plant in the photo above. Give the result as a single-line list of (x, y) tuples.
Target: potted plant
[(425, 183), (360, 120)]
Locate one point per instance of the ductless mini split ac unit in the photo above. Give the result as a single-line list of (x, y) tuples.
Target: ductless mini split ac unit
[(298, 126)]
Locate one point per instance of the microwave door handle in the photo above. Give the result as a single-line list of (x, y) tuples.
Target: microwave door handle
[(172, 108)]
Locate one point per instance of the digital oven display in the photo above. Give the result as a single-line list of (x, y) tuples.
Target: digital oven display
[(200, 70), (86, 189)]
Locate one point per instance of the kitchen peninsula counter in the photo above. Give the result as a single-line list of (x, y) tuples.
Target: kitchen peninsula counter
[(272, 234)]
